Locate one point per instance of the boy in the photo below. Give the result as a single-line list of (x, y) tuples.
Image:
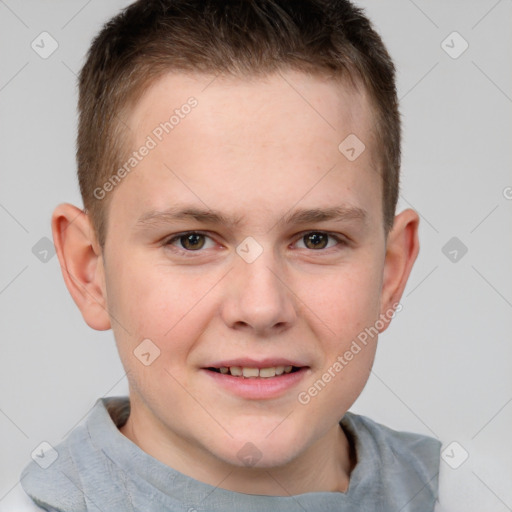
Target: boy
[(239, 167)]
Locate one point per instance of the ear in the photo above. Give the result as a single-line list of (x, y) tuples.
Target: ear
[(402, 248), (81, 263)]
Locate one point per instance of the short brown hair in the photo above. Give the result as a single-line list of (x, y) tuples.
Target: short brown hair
[(241, 37)]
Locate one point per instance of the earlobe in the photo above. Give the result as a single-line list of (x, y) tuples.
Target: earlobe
[(81, 263), (402, 248)]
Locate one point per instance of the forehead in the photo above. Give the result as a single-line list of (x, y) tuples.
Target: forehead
[(299, 102), (272, 138)]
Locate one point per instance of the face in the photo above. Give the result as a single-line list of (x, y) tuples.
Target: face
[(245, 241)]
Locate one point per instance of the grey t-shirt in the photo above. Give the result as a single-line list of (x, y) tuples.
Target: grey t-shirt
[(99, 469)]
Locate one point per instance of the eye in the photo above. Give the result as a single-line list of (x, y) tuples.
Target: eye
[(317, 240), (190, 242)]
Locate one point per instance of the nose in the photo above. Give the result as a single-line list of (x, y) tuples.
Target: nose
[(258, 298)]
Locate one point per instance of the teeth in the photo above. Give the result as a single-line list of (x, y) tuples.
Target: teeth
[(268, 372), (250, 372), (247, 372)]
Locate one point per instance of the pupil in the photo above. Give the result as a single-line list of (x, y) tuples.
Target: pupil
[(318, 240), (192, 241)]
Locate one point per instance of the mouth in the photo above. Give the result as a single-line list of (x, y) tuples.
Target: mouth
[(257, 379), (248, 372)]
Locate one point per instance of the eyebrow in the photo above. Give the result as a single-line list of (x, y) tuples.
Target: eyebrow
[(207, 216)]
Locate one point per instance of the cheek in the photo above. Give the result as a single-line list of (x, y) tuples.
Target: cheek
[(349, 309), (164, 304), (346, 302)]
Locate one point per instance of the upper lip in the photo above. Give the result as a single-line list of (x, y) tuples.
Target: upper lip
[(247, 362)]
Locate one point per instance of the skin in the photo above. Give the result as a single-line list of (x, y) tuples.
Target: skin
[(254, 148)]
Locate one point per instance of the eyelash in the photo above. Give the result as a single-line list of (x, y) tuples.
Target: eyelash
[(189, 253)]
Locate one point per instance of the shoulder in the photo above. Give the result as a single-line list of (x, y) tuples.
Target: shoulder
[(43, 483), (18, 501), (391, 444), (52, 477), (402, 464), (61, 478)]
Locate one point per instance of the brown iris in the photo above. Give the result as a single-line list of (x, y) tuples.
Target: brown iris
[(192, 241), (316, 240)]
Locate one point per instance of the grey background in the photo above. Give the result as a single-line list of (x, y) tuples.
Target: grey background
[(444, 367)]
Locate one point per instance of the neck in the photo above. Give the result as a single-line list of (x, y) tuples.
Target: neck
[(324, 466)]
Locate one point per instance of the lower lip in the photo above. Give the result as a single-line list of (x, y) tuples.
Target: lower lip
[(258, 388)]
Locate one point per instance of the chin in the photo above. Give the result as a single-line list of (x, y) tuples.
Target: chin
[(249, 455), (262, 447)]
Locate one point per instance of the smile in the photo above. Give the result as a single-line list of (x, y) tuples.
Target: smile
[(253, 373), (250, 379)]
